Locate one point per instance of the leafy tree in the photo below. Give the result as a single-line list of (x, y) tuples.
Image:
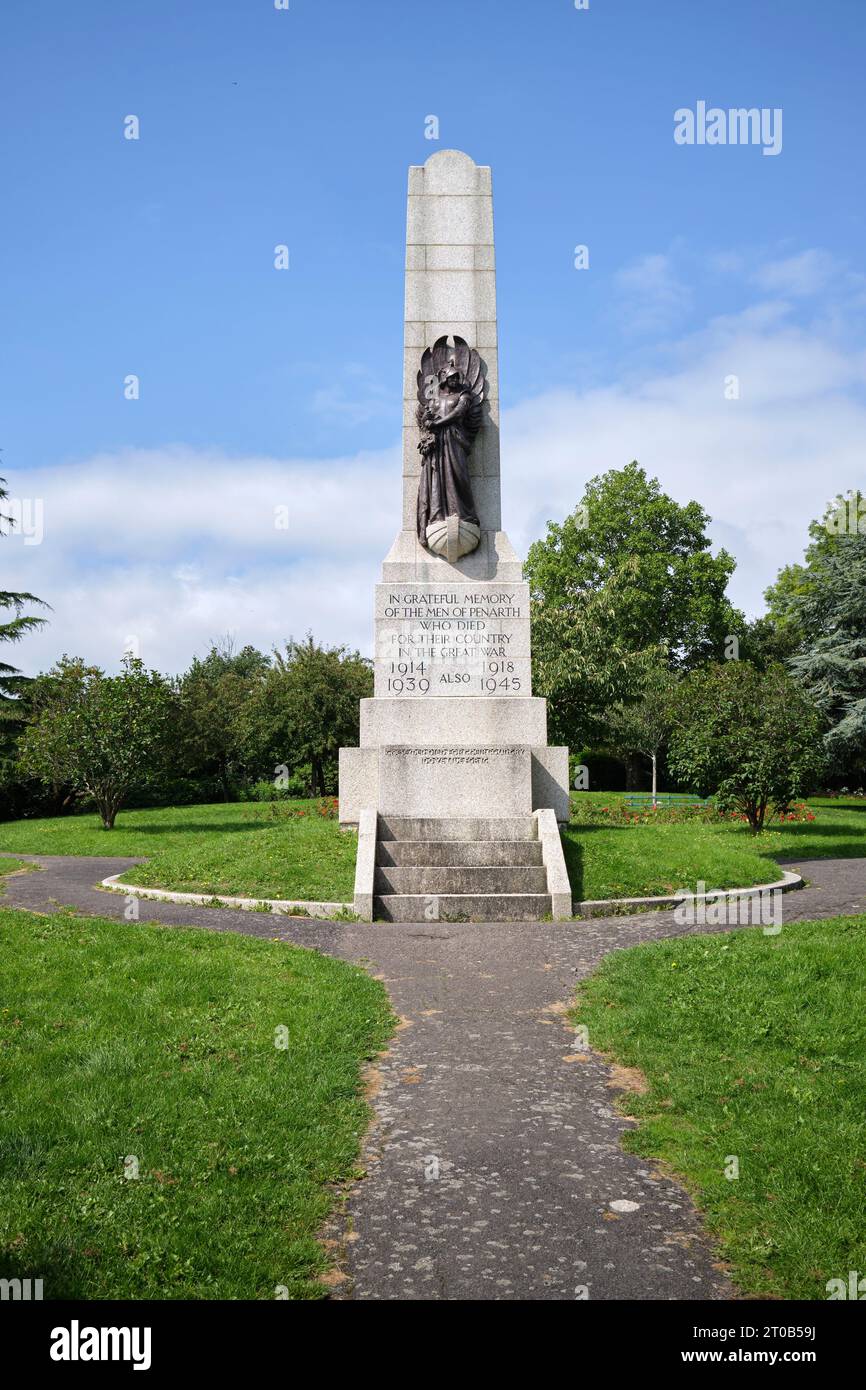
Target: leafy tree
[(817, 613), (643, 725), (670, 591), (844, 516), (12, 684), (50, 794), (13, 628), (101, 735), (831, 613), (306, 708), (764, 643), (751, 738), (213, 697), (579, 665)]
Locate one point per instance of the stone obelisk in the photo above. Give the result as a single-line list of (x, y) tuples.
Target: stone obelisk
[(451, 289), (452, 729)]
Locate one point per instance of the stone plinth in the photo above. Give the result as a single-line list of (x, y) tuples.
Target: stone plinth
[(539, 780), (442, 781), (454, 719)]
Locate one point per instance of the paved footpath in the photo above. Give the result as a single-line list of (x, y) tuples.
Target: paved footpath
[(495, 1153)]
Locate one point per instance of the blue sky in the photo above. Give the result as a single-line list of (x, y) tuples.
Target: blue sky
[(259, 127)]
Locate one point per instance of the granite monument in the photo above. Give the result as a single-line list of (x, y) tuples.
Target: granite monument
[(453, 744)]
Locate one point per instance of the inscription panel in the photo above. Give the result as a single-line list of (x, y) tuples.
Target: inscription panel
[(445, 781), (461, 639)]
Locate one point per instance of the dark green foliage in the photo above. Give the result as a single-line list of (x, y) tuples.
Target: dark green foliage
[(832, 660), (670, 591), (13, 628), (101, 735), (750, 738), (14, 791), (642, 725), (305, 709), (817, 623), (630, 569), (214, 696)]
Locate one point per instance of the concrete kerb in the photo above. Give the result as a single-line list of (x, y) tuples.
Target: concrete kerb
[(284, 906), (593, 907), (601, 907)]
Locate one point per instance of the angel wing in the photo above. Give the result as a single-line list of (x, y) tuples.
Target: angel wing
[(471, 368)]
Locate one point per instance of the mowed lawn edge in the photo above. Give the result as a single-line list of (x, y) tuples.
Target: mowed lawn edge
[(754, 1051), (180, 1109), (289, 850), (244, 849), (13, 866), (659, 858)]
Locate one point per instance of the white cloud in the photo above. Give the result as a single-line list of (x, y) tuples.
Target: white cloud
[(178, 546), (652, 295), (804, 274), (762, 466)]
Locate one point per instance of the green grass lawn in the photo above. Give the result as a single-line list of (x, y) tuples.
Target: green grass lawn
[(13, 866), (753, 1047), (615, 861), (137, 1040), (237, 848), (241, 849)]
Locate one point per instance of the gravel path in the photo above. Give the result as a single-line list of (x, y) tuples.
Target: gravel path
[(495, 1153)]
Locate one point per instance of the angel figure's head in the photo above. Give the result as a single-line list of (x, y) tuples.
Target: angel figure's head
[(451, 376)]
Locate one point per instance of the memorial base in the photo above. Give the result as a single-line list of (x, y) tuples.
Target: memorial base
[(496, 782)]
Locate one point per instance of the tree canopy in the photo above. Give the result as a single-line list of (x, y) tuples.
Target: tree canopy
[(831, 613), (843, 516), (15, 623), (101, 735), (13, 628), (817, 620), (213, 702), (670, 590), (305, 708), (630, 570), (751, 738)]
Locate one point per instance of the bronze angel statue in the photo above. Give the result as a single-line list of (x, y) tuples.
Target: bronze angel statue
[(451, 391)]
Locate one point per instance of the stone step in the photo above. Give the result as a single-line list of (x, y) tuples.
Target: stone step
[(447, 879), (461, 907), (432, 852), (421, 828)]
